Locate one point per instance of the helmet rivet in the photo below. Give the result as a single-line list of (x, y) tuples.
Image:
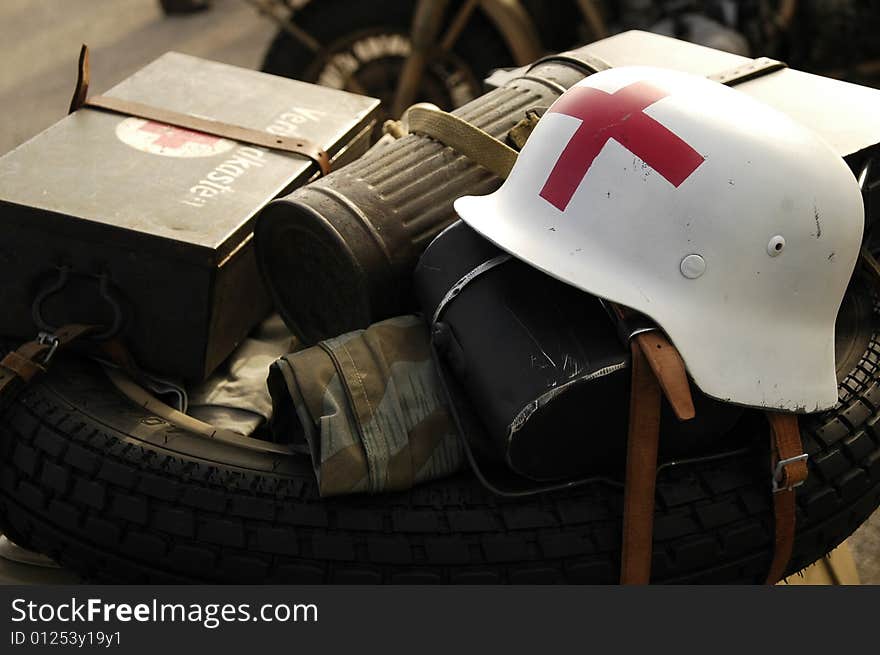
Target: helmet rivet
[(693, 266), (775, 246)]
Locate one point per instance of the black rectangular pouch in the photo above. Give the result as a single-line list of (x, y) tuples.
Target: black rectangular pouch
[(538, 363)]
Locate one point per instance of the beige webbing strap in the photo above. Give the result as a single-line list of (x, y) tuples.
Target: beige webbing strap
[(295, 145), (464, 138)]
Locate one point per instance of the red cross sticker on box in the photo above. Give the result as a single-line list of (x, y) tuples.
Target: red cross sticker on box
[(168, 140), (619, 116), (169, 136)]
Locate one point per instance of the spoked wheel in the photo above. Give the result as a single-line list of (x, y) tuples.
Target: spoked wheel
[(362, 46), (370, 62)]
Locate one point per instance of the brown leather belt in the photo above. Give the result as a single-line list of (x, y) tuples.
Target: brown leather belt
[(656, 366), (295, 145), (641, 472), (789, 466), (31, 358)]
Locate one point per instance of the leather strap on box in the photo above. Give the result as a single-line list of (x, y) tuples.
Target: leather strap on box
[(295, 145), (741, 73), (750, 70)]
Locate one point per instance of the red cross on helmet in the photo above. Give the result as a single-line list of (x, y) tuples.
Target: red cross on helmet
[(733, 227)]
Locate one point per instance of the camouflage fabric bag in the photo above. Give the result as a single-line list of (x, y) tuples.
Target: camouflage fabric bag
[(369, 408)]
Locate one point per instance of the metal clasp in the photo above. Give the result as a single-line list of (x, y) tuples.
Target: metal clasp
[(778, 472), (630, 327), (48, 339)]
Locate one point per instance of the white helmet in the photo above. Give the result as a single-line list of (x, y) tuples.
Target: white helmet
[(727, 223)]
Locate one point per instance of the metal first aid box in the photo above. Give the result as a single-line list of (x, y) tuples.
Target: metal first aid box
[(126, 222)]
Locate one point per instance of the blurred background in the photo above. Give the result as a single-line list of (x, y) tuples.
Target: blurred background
[(366, 47)]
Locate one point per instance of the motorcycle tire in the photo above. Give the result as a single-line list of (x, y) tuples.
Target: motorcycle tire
[(120, 495), (366, 44)]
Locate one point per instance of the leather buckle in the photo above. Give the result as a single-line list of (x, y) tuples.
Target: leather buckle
[(779, 473), (22, 366)]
